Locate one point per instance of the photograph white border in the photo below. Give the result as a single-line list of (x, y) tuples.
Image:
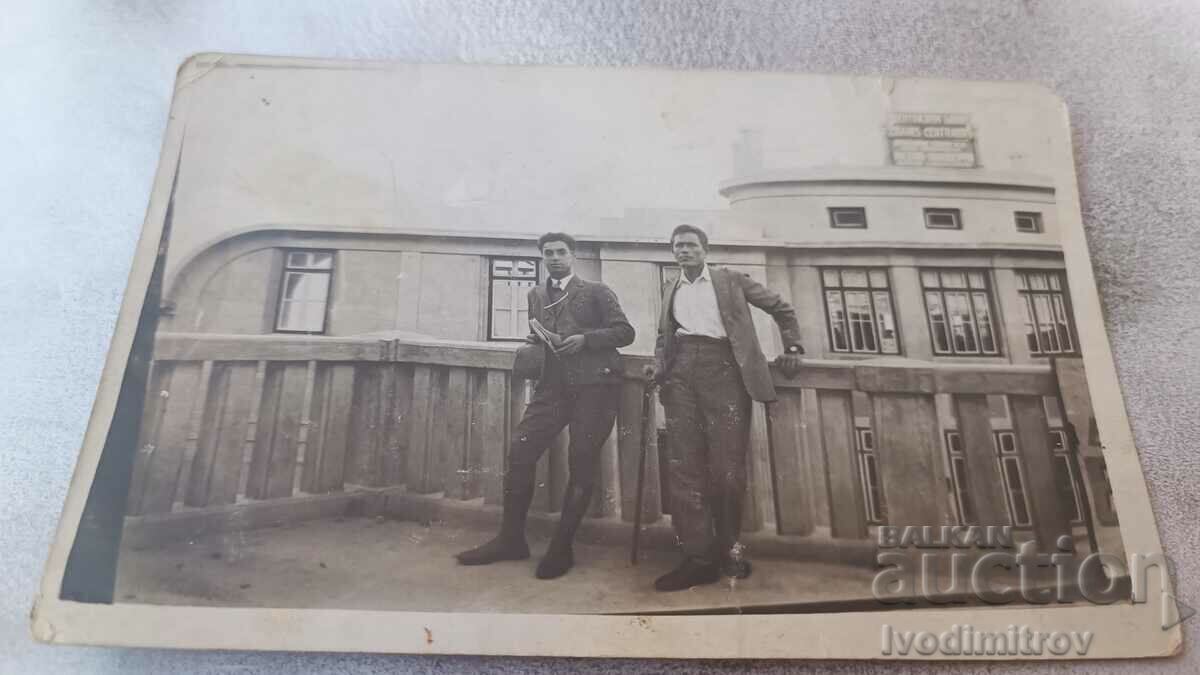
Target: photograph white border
[(1122, 630)]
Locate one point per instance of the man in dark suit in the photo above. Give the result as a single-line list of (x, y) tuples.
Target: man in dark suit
[(579, 387), (710, 365)]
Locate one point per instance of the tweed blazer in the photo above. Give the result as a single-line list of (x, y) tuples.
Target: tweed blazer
[(591, 309), (735, 293)]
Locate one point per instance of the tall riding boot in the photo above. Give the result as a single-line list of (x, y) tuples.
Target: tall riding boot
[(727, 512), (560, 556), (510, 544)]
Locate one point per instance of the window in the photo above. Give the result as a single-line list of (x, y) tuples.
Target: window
[(958, 304), (1048, 327), (304, 294), (858, 311), (1013, 476), (1065, 484), (510, 281), (1028, 221), (958, 479), (874, 505), (848, 216), (943, 219)]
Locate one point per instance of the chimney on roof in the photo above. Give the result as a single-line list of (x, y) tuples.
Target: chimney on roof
[(747, 152)]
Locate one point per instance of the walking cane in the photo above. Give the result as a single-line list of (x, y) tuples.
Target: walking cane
[(647, 401)]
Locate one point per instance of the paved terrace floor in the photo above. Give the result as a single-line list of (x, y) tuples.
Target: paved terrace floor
[(384, 564)]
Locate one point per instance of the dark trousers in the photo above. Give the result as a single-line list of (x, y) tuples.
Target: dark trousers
[(708, 431), (589, 411)]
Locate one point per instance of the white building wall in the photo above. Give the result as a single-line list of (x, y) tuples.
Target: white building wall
[(527, 150)]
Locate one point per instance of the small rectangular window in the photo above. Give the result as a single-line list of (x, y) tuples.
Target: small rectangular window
[(1028, 221), (943, 219), (509, 281), (954, 442), (848, 216), (304, 294), (1007, 442)]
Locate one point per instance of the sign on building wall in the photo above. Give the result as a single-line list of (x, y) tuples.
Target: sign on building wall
[(931, 139)]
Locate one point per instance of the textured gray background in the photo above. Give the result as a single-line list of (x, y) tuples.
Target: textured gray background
[(84, 94)]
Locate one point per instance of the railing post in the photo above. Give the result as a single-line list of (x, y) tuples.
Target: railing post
[(451, 448), (985, 487), (906, 438), (1033, 442), (305, 428), (417, 459), (493, 430), (260, 379), (789, 475)]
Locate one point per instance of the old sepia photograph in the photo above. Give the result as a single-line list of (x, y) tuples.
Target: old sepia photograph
[(518, 357)]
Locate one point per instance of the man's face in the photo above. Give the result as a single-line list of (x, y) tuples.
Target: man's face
[(558, 258), (688, 250)]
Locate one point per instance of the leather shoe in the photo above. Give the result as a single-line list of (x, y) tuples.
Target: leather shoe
[(732, 563), (557, 562), (692, 572), (500, 548), (738, 569)]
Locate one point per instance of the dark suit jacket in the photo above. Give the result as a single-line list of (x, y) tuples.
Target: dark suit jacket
[(735, 293), (590, 309)]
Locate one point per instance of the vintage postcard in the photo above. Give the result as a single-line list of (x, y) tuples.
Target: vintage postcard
[(610, 362)]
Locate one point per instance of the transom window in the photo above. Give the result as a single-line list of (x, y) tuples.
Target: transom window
[(509, 282), (1048, 327), (1028, 221), (943, 219), (304, 293), (848, 216), (958, 304), (858, 311)]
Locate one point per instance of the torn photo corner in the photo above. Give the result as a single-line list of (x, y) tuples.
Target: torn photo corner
[(308, 435)]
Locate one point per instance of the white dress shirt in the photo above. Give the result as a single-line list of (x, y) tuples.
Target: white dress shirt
[(561, 284), (695, 307)]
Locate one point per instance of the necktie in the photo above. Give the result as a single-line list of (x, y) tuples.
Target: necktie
[(555, 290)]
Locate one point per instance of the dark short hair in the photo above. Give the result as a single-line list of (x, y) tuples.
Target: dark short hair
[(557, 236), (690, 229)]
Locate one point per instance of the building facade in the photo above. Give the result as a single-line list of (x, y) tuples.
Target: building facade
[(928, 266)]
